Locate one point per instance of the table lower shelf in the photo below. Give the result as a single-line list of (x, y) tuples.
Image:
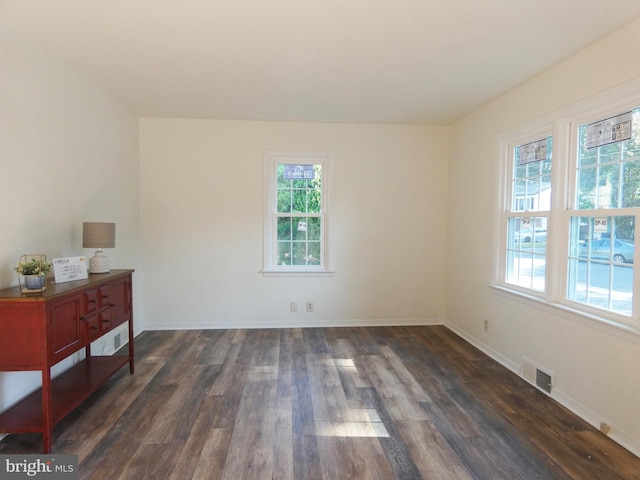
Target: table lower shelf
[(68, 390)]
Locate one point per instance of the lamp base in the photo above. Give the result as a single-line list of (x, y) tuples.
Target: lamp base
[(99, 263)]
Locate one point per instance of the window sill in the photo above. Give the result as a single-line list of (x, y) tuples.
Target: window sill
[(297, 273), (611, 326)]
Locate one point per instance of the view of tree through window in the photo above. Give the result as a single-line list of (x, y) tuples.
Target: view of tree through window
[(602, 231), (573, 246), (299, 209)]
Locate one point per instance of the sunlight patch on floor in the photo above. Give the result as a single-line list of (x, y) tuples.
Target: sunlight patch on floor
[(373, 427)]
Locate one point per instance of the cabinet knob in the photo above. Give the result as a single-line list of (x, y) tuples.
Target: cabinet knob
[(93, 327), (83, 318)]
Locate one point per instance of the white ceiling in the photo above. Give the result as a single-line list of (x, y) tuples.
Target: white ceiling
[(371, 61)]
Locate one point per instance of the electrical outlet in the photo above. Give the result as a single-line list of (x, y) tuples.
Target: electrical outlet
[(486, 325), (117, 342), (309, 306), (293, 307)]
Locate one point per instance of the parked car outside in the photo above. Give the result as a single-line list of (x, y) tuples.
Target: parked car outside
[(623, 250), (526, 236)]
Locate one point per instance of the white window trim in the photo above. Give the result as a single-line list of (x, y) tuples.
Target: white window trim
[(507, 144), (271, 158), (564, 121)]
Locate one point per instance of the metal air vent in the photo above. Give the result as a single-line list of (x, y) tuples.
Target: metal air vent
[(536, 375)]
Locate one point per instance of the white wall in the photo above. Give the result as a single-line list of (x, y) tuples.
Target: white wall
[(202, 203), (200, 193), (597, 369), (56, 132)]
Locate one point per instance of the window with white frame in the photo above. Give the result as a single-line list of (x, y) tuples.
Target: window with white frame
[(602, 217), (528, 210), (590, 215), (296, 207)]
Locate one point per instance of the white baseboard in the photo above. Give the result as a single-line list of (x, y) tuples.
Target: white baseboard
[(381, 322), (616, 433), (592, 418), (484, 348)]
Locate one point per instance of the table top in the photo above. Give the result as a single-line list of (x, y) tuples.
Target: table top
[(54, 290)]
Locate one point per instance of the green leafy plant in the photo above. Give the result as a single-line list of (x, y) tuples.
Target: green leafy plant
[(34, 266)]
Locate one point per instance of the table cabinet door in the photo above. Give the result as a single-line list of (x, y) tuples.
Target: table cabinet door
[(91, 301), (120, 300), (65, 328)]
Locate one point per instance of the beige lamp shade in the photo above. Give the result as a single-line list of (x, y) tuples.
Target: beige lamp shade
[(99, 235)]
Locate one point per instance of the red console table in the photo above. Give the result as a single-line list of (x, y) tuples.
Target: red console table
[(39, 330)]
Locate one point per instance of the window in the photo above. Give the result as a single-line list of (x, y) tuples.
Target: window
[(603, 217), (528, 212), (296, 220), (589, 216)]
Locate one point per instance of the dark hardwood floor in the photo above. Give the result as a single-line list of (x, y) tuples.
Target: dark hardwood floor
[(331, 403)]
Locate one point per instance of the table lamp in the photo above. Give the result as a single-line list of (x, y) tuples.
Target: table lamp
[(99, 235)]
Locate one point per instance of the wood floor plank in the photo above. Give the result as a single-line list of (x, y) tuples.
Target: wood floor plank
[(250, 454), (414, 389), (231, 374), (401, 463), (283, 443), (306, 456), (122, 441), (198, 448), (210, 464), (191, 391), (345, 354), (396, 396), (330, 402), (355, 403), (81, 433), (216, 346), (285, 356), (267, 348), (434, 457), (152, 461)]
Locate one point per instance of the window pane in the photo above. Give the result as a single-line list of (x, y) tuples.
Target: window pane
[(601, 256), (302, 192), (299, 240), (284, 200), (299, 231), (299, 201), (609, 175), (306, 253), (299, 252), (280, 180), (526, 252), (313, 253), (631, 183), (284, 253), (587, 189), (608, 153), (519, 193), (531, 190), (284, 228), (313, 232), (314, 200), (295, 209)]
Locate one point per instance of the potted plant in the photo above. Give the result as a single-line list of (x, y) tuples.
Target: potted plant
[(34, 269)]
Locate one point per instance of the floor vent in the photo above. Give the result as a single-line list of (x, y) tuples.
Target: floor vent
[(536, 375)]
